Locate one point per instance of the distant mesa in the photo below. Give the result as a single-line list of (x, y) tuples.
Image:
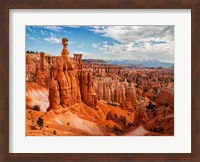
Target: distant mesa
[(95, 61), (136, 63), (145, 63)]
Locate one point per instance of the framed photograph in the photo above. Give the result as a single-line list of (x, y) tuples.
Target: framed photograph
[(107, 81)]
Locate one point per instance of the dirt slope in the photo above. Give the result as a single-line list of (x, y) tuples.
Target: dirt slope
[(78, 119), (36, 95)]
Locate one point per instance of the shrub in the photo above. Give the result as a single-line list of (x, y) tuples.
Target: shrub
[(151, 105), (117, 130), (32, 80), (54, 132), (98, 75), (159, 129), (36, 107), (112, 104), (130, 124), (40, 122)]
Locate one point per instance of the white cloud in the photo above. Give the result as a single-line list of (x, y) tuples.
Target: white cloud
[(134, 33), (137, 42), (52, 40), (54, 28), (34, 39)]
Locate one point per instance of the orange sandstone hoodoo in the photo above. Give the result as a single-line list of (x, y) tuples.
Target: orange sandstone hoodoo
[(65, 52), (70, 83)]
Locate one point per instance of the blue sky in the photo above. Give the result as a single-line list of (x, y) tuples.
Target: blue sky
[(105, 42)]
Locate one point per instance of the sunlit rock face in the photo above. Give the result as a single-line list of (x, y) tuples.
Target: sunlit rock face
[(114, 91), (74, 83)]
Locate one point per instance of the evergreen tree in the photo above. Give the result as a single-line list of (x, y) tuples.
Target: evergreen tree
[(40, 122)]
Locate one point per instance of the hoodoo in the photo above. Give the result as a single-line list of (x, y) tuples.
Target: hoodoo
[(70, 83), (65, 52)]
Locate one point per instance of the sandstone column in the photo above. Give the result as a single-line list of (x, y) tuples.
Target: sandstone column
[(65, 52)]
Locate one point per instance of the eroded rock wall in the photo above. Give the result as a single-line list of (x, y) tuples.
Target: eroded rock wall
[(114, 91), (74, 84), (67, 80)]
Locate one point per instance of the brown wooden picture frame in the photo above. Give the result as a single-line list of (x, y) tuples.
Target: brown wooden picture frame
[(6, 5)]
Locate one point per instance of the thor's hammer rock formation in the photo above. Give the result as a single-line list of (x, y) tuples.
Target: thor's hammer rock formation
[(70, 83)]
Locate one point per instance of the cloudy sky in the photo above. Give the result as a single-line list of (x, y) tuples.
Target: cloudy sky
[(105, 42)]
